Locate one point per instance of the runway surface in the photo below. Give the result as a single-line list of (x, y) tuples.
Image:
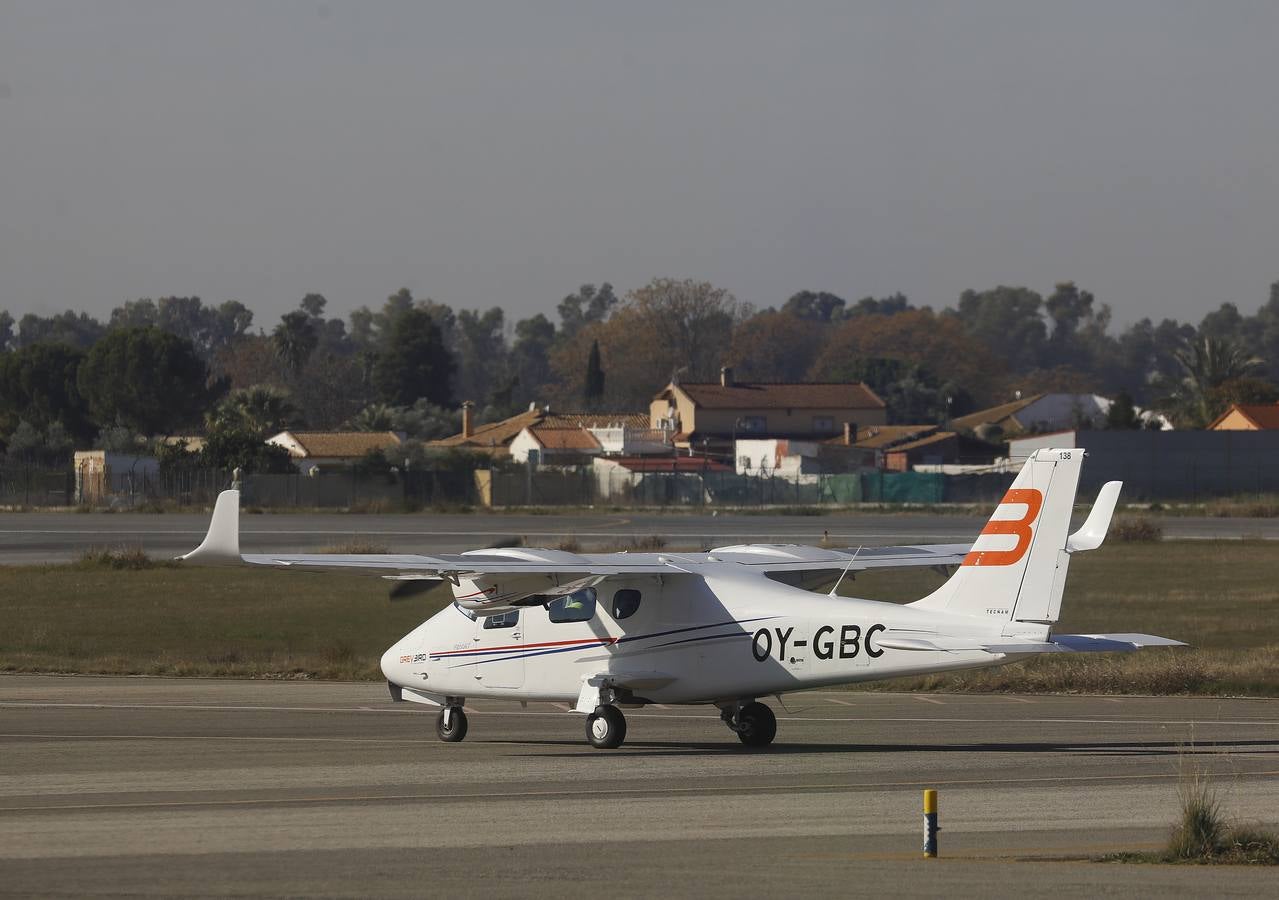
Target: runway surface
[(183, 787), (64, 536)]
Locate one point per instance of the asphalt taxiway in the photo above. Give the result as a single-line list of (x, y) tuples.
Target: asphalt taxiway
[(169, 787)]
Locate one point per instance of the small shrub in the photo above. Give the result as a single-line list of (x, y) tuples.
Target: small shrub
[(120, 558), (649, 542), (570, 545), (1136, 530), (356, 546), (1202, 831)]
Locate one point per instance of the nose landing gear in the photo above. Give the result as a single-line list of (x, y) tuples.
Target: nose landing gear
[(451, 724)]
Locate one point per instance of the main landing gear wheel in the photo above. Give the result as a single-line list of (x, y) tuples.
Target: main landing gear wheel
[(451, 728), (606, 728), (756, 725)]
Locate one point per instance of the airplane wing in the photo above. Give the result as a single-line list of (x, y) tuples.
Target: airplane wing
[(221, 546)]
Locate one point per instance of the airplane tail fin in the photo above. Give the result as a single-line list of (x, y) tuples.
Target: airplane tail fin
[(1016, 570)]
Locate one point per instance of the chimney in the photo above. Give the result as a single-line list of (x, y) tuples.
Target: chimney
[(850, 433), (467, 429), (726, 376)]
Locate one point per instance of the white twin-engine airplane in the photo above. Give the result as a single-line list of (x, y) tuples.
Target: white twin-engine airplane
[(604, 631)]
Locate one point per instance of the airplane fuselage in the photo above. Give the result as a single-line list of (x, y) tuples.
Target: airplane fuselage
[(676, 639)]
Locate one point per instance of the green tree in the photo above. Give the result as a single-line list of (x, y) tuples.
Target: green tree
[(415, 363), (77, 329), (818, 306), (593, 393), (1122, 415), (479, 348), (40, 384), (530, 358), (147, 379), (235, 448), (1009, 321), (587, 307)]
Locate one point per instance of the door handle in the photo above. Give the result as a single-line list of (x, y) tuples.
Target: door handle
[(515, 635)]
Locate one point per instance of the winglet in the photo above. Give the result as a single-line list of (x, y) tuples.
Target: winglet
[(1093, 531), (222, 544)]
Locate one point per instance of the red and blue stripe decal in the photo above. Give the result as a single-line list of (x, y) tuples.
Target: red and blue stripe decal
[(481, 655)]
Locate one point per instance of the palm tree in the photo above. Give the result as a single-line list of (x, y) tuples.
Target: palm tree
[(294, 339), (375, 417), (259, 409), (1208, 363)]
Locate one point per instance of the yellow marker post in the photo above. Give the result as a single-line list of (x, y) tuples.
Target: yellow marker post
[(930, 824)]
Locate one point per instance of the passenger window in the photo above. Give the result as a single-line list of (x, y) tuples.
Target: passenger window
[(575, 607), (625, 602), (503, 620)]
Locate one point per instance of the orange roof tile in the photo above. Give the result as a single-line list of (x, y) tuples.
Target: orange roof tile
[(565, 438), (995, 414), (795, 395), (1263, 415), (880, 437), (938, 438), (344, 444), (498, 435)]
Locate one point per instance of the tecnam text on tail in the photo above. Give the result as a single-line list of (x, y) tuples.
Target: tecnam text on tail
[(723, 627)]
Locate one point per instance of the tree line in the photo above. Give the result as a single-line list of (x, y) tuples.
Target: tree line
[(178, 366)]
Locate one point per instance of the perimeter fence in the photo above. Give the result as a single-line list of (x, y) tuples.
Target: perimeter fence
[(611, 487)]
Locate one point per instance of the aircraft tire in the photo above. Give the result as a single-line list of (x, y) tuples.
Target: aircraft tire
[(457, 727), (756, 725), (606, 728)]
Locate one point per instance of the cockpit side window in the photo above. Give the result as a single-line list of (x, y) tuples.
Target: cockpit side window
[(578, 606), (463, 610), (625, 603), (503, 620)]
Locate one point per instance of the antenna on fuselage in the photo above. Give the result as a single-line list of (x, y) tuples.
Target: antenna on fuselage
[(840, 580)]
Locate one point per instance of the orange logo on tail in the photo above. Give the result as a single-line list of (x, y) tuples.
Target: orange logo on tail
[(1034, 501)]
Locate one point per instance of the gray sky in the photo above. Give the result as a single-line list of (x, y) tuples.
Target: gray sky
[(501, 154)]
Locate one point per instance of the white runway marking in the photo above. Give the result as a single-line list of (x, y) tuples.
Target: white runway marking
[(921, 698), (840, 702)]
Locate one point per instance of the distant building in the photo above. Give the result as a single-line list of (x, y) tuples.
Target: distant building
[(1247, 417), (1044, 413), (100, 475), (613, 431), (716, 414), (556, 441), (787, 457), (310, 450)]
